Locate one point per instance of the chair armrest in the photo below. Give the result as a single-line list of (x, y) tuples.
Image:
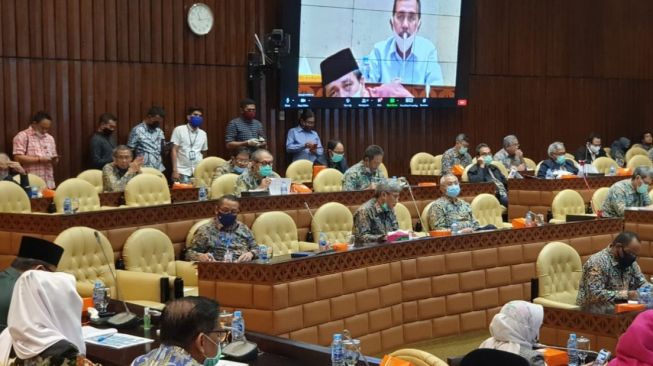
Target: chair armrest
[(557, 221), (84, 289), (505, 225), (306, 246), (139, 285), (554, 304), (187, 271)]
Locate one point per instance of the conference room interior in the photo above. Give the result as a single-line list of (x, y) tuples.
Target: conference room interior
[(542, 71)]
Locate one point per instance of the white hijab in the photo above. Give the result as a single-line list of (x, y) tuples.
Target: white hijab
[(517, 324), (45, 309)]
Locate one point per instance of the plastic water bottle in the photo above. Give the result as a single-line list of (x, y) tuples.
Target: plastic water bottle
[(238, 327), (284, 187), (324, 242), (572, 351), (549, 174), (263, 253), (613, 171), (455, 228), (67, 206), (337, 351), (98, 295), (529, 220), (203, 196)]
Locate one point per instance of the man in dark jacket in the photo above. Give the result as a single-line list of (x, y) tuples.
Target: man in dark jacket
[(485, 171), (591, 151)]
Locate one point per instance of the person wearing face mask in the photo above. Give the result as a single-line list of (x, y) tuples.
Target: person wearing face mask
[(374, 219), (245, 130), (334, 157), (591, 151), (618, 150), (631, 192), (258, 176), (365, 173), (190, 334), (190, 146), (124, 167), (35, 149), (146, 139), (457, 155), (484, 171), (612, 275), (405, 56), (302, 141), (103, 141), (238, 163), (557, 161), (34, 253), (449, 208), (212, 240), (511, 155)]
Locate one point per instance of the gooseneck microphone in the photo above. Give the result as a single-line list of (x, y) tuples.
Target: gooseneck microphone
[(126, 319)]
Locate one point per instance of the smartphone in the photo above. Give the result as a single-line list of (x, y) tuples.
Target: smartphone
[(602, 358)]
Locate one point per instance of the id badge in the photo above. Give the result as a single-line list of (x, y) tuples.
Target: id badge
[(191, 155)]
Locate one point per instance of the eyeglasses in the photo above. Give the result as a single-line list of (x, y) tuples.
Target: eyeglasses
[(242, 161), (264, 163), (222, 334)]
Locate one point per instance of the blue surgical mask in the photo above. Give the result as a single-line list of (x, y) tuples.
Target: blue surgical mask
[(487, 159), (213, 361), (453, 191), (643, 189), (463, 150), (239, 170), (336, 158), (265, 170), (561, 159), (196, 121)]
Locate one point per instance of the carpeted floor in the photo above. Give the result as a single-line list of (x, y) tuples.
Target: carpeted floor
[(450, 346)]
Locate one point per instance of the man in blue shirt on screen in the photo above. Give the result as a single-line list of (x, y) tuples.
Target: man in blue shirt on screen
[(405, 56)]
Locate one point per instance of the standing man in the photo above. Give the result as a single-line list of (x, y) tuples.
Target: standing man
[(190, 146), (511, 155), (147, 139), (365, 173), (103, 142), (35, 149), (457, 155), (245, 130), (303, 142)]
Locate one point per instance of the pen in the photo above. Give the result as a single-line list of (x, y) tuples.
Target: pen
[(103, 338)]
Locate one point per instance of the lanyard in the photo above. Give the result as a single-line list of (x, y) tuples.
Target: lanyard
[(192, 142)]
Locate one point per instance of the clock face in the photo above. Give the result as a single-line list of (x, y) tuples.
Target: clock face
[(200, 19)]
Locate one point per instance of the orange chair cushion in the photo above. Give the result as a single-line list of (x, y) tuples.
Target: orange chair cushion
[(300, 188), (458, 170)]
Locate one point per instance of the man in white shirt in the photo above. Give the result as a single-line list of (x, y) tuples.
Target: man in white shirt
[(190, 145)]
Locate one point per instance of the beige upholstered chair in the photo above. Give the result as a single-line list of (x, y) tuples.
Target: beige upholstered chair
[(203, 174), (422, 163), (567, 202), (193, 230), (570, 156), (13, 198), (150, 250), (77, 189), (438, 164), (34, 181), (93, 176), (637, 161), (603, 164), (425, 217), (333, 219), (599, 197), (155, 172), (418, 357), (634, 151), (278, 231), (300, 171), (384, 170), (465, 177), (224, 184), (328, 180), (530, 164), (146, 190), (487, 210), (559, 270), (404, 219)]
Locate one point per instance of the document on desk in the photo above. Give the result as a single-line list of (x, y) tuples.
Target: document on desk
[(89, 332), (118, 341), (230, 363)]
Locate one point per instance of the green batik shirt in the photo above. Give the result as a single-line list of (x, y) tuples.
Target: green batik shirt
[(507, 160), (213, 238), (371, 222), (452, 157), (604, 282), (444, 212), (622, 195), (249, 181), (358, 177)]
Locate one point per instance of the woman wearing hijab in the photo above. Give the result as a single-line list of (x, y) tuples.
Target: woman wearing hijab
[(618, 150), (516, 329), (44, 323), (635, 346)]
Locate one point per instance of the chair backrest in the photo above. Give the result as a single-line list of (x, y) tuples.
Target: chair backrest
[(603, 164), (599, 197), (277, 230), (570, 156), (93, 176), (34, 181), (146, 190), (193, 229), (438, 164), (422, 163), (79, 189), (404, 219), (634, 151), (224, 184), (86, 259), (567, 202), (328, 180), (425, 217), (333, 219), (300, 171), (487, 210), (488, 356), (501, 167), (530, 164), (650, 195), (418, 357), (13, 198), (384, 170), (203, 173), (559, 270), (537, 167), (465, 177), (639, 160), (152, 171), (149, 250)]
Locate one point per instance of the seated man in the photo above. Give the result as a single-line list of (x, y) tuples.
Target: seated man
[(236, 165), (257, 177), (557, 162), (376, 217), (116, 175), (591, 151), (484, 171), (334, 157), (190, 334), (511, 155), (631, 192), (224, 239), (449, 208), (363, 174), (9, 169), (457, 155), (612, 275), (647, 140)]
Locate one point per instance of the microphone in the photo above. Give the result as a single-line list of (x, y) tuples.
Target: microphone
[(405, 184), (126, 319)]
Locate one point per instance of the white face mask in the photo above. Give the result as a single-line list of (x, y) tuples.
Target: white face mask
[(595, 149), (404, 42)]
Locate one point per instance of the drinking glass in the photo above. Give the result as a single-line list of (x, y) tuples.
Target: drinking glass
[(583, 345), (225, 319), (352, 351), (104, 304)]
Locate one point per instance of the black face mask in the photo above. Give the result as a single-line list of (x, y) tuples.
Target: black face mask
[(107, 132), (153, 125), (626, 260)]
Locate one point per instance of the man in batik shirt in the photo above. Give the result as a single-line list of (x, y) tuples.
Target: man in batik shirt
[(365, 173), (449, 208), (631, 192), (457, 155), (259, 175), (376, 217)]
